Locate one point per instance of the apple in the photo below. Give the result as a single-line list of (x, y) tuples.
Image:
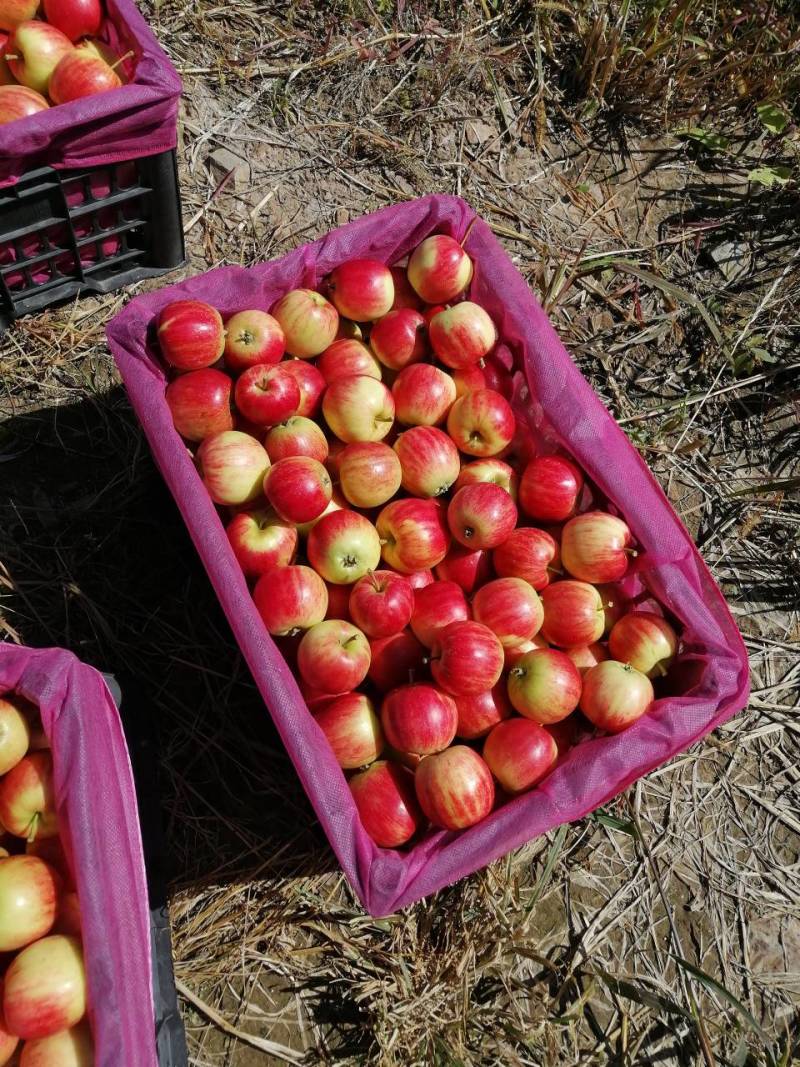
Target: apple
[(75, 18), (466, 567), (79, 74), (573, 614), (13, 12), (549, 488), (419, 579), (67, 1048), (586, 656), (336, 503), (34, 50), (466, 658), (362, 289), (544, 685), (290, 599), (423, 395), (489, 374), (646, 641), (395, 660), (339, 601), (514, 653), (190, 334), (309, 322), (232, 465), (261, 540), (17, 102), (615, 695), (94, 46), (200, 403), (454, 788), (527, 553), (400, 338), (479, 712), (429, 460), (343, 546), (381, 603), (462, 335), (565, 733), (27, 798), (431, 310), (413, 534), (387, 803), (519, 754), (595, 547), (436, 606), (266, 395), (9, 1042), (252, 338), (333, 656), (296, 436), (298, 488), (15, 734), (510, 608), (51, 850), (358, 408), (68, 916), (405, 296), (29, 890), (369, 473), (45, 988), (615, 604), (311, 384), (439, 269), (481, 515), (352, 729), (489, 470), (348, 357), (419, 718), (481, 423)]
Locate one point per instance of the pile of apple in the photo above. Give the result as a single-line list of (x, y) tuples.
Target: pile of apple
[(43, 983), (441, 592), (53, 61)]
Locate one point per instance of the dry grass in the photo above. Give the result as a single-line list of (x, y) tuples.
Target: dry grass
[(666, 929)]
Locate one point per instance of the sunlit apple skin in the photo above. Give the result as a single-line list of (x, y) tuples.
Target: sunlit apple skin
[(266, 395), (253, 338), (646, 641), (396, 660), (190, 334), (362, 289), (466, 567), (347, 358), (387, 803), (381, 603), (479, 712), (15, 734), (455, 788), (587, 656), (429, 460), (358, 408), (333, 656), (573, 614), (481, 423), (311, 384), (527, 553), (419, 718), (400, 338), (29, 890), (436, 606), (75, 18), (38, 48), (423, 395), (511, 608), (79, 74), (17, 102), (544, 685), (462, 335), (200, 403), (9, 1042), (615, 695), (466, 658), (595, 547), (413, 533), (298, 488), (489, 470), (405, 295), (45, 988), (296, 436), (519, 753), (232, 465), (549, 488), (13, 12), (290, 599), (369, 473), (353, 730), (439, 269), (67, 1048), (481, 515), (309, 322), (343, 546), (419, 579), (27, 798)]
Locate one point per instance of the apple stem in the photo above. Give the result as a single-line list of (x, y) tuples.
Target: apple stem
[(662, 670), (376, 585), (33, 826), (128, 55), (631, 552), (554, 570), (8, 55)]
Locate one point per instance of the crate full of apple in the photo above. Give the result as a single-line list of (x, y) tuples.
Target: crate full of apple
[(458, 599)]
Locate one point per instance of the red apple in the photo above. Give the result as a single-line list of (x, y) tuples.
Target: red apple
[(369, 473), (413, 534), (29, 890), (455, 788), (45, 988), (68, 916), (527, 553), (423, 395), (336, 503), (362, 289), (419, 579), (595, 547), (573, 614), (15, 734), (481, 515), (309, 322), (67, 1048), (510, 608), (310, 383), (490, 374), (17, 102), (515, 653), (429, 460), (333, 656), (34, 50), (232, 465), (646, 641), (27, 798), (51, 850), (346, 358), (343, 546), (615, 695), (550, 488), (405, 295), (565, 733), (462, 335), (419, 718), (200, 403), (436, 606), (358, 408), (381, 603), (544, 685), (79, 74), (252, 338), (290, 599), (489, 470), (466, 658), (466, 567), (481, 423), (296, 436), (400, 338), (266, 395), (395, 660), (439, 269), (615, 604), (13, 12), (75, 18), (9, 1042), (479, 712), (386, 803), (431, 310), (352, 728), (298, 488), (587, 656), (190, 334), (519, 754), (339, 601)]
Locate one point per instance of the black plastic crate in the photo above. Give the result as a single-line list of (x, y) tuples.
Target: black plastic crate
[(90, 230)]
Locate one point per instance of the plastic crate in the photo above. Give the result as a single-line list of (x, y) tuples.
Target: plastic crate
[(92, 230)]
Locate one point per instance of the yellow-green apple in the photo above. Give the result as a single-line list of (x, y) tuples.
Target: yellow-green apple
[(298, 488), (309, 322), (405, 296), (395, 660), (510, 608), (381, 603), (481, 423), (27, 798), (519, 754), (29, 890), (439, 269), (573, 614), (544, 685), (15, 733), (423, 395), (266, 395), (490, 374), (466, 658), (200, 403), (343, 546), (515, 653), (454, 788), (595, 547), (369, 473), (13, 12), (429, 461), (190, 334), (290, 599), (646, 641), (68, 915), (362, 289), (261, 540), (481, 515), (587, 656), (34, 50), (462, 335), (467, 567), (75, 18), (489, 470), (45, 988), (67, 1048), (251, 338), (479, 712), (232, 465), (78, 74), (400, 338), (419, 718), (17, 102), (333, 656), (527, 553), (352, 728), (358, 408), (386, 803), (348, 357), (311, 384), (436, 606), (296, 436), (549, 488), (413, 534), (615, 695)]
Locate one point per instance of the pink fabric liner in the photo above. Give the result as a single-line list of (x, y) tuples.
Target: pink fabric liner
[(594, 771), (100, 830), (138, 119)]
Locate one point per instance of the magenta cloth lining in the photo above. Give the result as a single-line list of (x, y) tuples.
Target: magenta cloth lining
[(594, 771)]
